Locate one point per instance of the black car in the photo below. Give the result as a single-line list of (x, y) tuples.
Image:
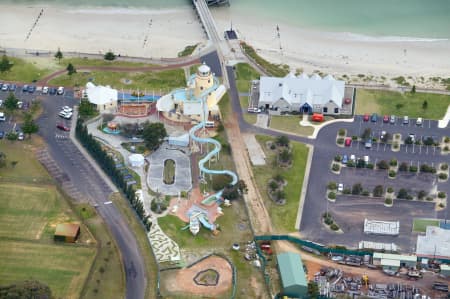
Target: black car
[(2, 134), (31, 88), (52, 91), (12, 87), (25, 88)]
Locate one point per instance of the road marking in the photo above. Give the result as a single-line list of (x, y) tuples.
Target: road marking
[(406, 148), (434, 150), (427, 149), (413, 148), (420, 149), (385, 147)]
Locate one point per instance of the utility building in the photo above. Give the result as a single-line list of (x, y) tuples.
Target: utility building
[(293, 278), (67, 232)]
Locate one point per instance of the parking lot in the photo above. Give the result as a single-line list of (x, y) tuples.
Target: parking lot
[(349, 212)]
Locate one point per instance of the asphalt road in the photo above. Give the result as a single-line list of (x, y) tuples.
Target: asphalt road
[(350, 213), (85, 178)]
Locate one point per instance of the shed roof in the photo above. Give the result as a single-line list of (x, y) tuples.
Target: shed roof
[(67, 229), (398, 257), (388, 262), (291, 269)]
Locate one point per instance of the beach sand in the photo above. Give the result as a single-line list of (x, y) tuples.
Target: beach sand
[(127, 31)]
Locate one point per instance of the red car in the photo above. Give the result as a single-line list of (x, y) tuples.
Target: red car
[(348, 141), (386, 118), (63, 127), (366, 117)]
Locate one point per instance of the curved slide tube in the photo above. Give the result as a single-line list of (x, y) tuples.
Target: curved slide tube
[(201, 163)]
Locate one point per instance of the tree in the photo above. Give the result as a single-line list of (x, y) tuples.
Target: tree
[(282, 140), (357, 189), (59, 55), (402, 194), (29, 126), (413, 89), (154, 135), (11, 102), (313, 290), (383, 164), (403, 167), (366, 134), (378, 191), (110, 56), (421, 195), (285, 155), (71, 69), (5, 65), (424, 105), (86, 109), (26, 289), (14, 163)]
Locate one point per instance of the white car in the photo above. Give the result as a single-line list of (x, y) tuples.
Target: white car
[(60, 90), (66, 109), (19, 104), (66, 115), (5, 87), (419, 121), (2, 116), (253, 110), (45, 90), (340, 187)]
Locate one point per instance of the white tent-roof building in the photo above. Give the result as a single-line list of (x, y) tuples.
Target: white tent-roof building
[(302, 93), (136, 160), (103, 97)]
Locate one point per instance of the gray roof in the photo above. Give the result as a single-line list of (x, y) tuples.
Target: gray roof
[(436, 242), (302, 89)]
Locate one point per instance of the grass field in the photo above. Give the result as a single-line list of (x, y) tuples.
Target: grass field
[(291, 124), (188, 50), (24, 71), (389, 102), (244, 75), (420, 225), (283, 217), (148, 81), (276, 70), (98, 62)]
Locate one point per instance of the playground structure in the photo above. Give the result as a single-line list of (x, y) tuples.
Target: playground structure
[(112, 128)]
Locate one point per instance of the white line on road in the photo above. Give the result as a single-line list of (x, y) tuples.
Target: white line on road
[(107, 202)]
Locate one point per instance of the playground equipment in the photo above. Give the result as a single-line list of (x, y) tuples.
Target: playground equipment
[(196, 218), (112, 128)]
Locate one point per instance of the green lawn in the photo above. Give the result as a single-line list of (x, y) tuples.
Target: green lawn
[(420, 225), (389, 102), (244, 75), (63, 268), (99, 62), (283, 217), (188, 50), (291, 124), (24, 71), (144, 81), (248, 117), (169, 171)]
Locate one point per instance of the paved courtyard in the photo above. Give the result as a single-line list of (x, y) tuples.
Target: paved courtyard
[(183, 177)]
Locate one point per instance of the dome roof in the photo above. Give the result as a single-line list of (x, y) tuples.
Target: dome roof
[(203, 69)]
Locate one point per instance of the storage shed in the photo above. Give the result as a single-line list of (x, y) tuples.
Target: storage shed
[(67, 232), (293, 278), (409, 261)]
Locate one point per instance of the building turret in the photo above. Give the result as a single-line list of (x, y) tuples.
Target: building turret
[(203, 80)]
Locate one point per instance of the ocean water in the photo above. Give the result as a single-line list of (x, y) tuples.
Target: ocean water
[(429, 19)]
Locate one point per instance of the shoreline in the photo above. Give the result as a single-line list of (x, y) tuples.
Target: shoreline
[(163, 32)]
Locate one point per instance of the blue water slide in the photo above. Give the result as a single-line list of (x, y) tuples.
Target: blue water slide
[(206, 223)]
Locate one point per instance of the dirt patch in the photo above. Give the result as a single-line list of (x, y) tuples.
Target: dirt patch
[(182, 281)]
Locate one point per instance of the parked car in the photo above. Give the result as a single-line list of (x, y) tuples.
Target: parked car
[(52, 91), (20, 136), (386, 118), (67, 109), (405, 120), (65, 115), (348, 141), (337, 258), (366, 117), (374, 118), (392, 119), (382, 135), (419, 121), (31, 88), (344, 159), (12, 87), (5, 87), (412, 136), (25, 88), (60, 90), (366, 159), (45, 90), (2, 134), (340, 187), (368, 143), (2, 116), (20, 104), (63, 127)]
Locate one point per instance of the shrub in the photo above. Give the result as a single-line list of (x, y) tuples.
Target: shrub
[(332, 195), (443, 176), (273, 146), (370, 166), (220, 181), (446, 148), (403, 167), (326, 215), (328, 221), (334, 227), (402, 193), (338, 158), (354, 137), (378, 191), (421, 194), (278, 177), (392, 174), (429, 198), (282, 140), (383, 164), (447, 139), (413, 168), (441, 194), (365, 193), (393, 162), (426, 168), (390, 190), (110, 56), (395, 146), (357, 189), (388, 201), (444, 166), (335, 167), (347, 191), (341, 132), (441, 205), (340, 141), (273, 186), (332, 185), (350, 164)]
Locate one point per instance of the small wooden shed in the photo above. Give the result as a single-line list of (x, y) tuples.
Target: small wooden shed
[(67, 232)]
